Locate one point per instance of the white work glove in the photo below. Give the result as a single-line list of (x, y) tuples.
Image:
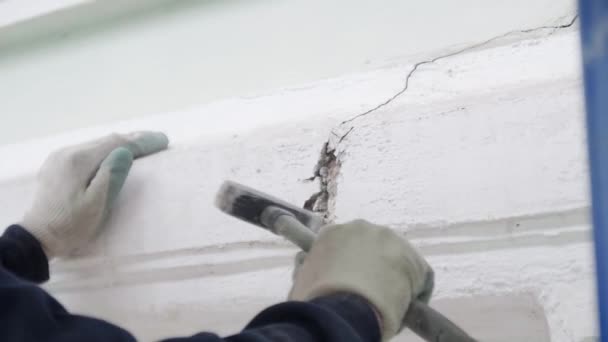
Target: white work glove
[(371, 261), (77, 186)]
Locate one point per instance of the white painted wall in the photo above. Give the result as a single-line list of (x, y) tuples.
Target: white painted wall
[(183, 54), (481, 162)]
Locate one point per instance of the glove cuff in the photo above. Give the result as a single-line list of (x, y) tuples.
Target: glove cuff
[(42, 228), (43, 236)]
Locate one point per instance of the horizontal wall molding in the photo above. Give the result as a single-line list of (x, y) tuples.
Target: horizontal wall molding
[(545, 229)]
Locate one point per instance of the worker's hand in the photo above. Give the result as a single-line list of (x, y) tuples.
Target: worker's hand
[(371, 261), (77, 186)]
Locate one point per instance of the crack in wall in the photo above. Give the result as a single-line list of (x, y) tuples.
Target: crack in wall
[(452, 54), (328, 166), (326, 171)]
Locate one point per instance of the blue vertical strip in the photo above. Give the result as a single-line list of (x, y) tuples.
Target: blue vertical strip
[(594, 34)]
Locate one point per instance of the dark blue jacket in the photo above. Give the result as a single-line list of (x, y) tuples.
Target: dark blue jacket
[(28, 313)]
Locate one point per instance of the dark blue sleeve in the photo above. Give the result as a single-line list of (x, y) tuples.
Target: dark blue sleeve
[(22, 255), (335, 318), (28, 313)]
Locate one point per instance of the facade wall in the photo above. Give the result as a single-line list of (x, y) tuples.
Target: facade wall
[(479, 159)]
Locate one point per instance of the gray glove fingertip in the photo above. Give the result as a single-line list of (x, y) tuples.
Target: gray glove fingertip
[(145, 143), (111, 176), (120, 161), (298, 261), (429, 285), (300, 257)]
